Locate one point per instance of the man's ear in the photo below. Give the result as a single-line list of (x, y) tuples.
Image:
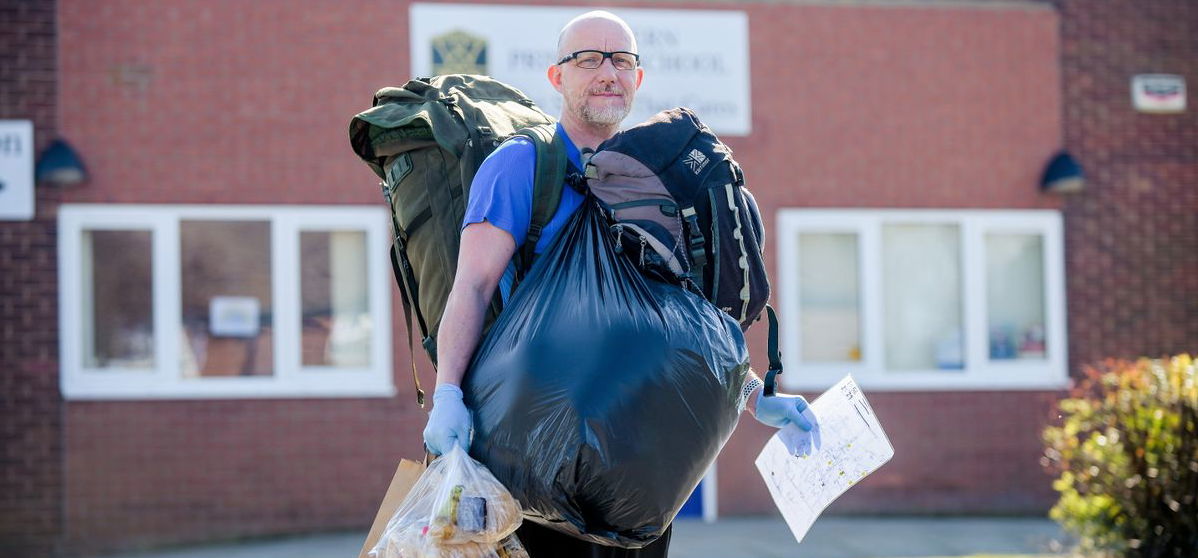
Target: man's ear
[(554, 73), (640, 76)]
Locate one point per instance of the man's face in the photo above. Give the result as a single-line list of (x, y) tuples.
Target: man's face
[(601, 96)]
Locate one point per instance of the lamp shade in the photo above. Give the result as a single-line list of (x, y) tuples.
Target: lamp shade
[(60, 165), (1063, 175)]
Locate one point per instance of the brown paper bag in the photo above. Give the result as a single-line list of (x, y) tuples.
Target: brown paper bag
[(405, 477)]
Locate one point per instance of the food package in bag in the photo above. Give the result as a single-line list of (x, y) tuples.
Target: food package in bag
[(469, 504), (457, 509)]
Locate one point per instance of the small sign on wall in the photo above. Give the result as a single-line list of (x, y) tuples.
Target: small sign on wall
[(233, 316), (1159, 93), (16, 170)]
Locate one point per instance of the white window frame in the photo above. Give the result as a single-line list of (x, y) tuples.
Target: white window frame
[(980, 372), (165, 379)]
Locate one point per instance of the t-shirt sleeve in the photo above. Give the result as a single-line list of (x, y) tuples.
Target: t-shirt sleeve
[(501, 193)]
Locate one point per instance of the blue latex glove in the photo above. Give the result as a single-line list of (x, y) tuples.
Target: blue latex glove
[(449, 423), (780, 410)]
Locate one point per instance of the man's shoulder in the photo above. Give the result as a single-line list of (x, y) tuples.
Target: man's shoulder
[(520, 152), (521, 148), (509, 168), (515, 150)]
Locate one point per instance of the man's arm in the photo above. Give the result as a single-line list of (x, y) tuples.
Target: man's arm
[(482, 257)]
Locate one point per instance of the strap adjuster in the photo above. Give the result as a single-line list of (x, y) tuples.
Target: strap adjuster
[(771, 383)]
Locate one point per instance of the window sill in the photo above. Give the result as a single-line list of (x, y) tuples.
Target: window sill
[(994, 377)]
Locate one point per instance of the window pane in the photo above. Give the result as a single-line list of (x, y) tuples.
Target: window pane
[(1015, 295), (336, 326), (922, 297), (118, 317), (226, 292), (829, 297)]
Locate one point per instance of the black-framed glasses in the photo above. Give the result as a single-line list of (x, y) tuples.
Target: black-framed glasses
[(592, 59)]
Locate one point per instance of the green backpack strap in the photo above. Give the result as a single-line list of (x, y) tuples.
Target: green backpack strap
[(548, 177)]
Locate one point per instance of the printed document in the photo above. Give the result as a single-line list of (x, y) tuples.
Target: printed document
[(806, 471)]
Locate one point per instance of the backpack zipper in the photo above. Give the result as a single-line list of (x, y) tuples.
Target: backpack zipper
[(715, 246)]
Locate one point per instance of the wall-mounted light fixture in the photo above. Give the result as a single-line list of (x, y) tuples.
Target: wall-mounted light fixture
[(60, 165), (1063, 175)]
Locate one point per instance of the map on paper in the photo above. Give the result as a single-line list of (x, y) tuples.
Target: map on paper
[(806, 471)]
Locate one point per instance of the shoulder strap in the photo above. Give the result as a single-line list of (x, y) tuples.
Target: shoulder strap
[(548, 177), (775, 357), (402, 277)]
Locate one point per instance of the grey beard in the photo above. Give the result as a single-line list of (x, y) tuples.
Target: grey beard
[(606, 116)]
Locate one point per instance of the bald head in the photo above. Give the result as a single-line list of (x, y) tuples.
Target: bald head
[(586, 27), (596, 95)]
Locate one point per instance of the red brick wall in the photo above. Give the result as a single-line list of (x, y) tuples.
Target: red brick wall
[(30, 404), (225, 101), (166, 472), (1132, 237), (867, 106)]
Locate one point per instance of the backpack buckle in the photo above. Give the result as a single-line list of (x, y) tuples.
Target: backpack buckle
[(694, 243)]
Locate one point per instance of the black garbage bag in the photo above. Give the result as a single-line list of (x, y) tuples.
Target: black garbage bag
[(601, 398)]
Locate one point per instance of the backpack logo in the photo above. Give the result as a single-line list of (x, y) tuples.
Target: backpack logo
[(695, 160), (459, 52)]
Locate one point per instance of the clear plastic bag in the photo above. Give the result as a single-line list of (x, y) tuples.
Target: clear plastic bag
[(412, 545), (457, 509)]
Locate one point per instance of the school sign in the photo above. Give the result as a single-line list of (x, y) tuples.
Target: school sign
[(692, 58)]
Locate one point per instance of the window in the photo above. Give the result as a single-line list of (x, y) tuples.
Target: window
[(922, 299), (117, 329), (221, 301)]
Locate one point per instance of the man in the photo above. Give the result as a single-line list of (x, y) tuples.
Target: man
[(597, 74)]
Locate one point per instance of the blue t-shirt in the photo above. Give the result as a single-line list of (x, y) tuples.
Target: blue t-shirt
[(501, 194)]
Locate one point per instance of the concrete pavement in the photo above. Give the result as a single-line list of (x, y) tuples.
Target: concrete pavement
[(741, 537)]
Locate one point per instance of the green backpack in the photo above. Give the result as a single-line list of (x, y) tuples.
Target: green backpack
[(425, 140)]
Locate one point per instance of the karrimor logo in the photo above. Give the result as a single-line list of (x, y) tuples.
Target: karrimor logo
[(695, 160), (459, 52)]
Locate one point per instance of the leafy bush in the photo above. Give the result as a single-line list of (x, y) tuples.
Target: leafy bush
[(1127, 456)]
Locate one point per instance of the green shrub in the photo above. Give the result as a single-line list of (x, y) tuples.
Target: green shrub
[(1127, 456)]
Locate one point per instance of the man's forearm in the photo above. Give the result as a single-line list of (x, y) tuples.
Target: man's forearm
[(458, 336), (753, 385)]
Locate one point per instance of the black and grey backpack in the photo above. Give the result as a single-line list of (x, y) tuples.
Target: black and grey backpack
[(682, 211)]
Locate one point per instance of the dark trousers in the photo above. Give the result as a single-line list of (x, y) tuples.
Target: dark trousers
[(543, 542)]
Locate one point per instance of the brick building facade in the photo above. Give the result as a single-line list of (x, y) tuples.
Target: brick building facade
[(856, 105), (1132, 237), (31, 451)]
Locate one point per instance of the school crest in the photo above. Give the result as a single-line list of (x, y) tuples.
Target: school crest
[(459, 52)]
